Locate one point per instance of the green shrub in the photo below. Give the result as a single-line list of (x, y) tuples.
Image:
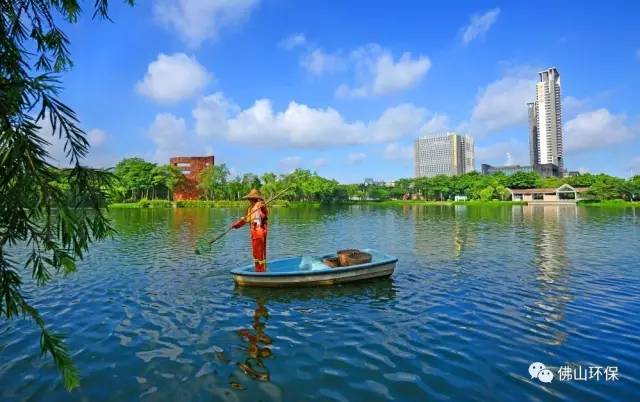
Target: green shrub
[(144, 203), (194, 204), (161, 204), (124, 205)]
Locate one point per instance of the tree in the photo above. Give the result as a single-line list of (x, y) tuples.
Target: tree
[(56, 225), (173, 178), (269, 184), (549, 182), (441, 187), (606, 187), (633, 187), (135, 176), (581, 180), (249, 181), (486, 194), (523, 180), (353, 190), (213, 181), (379, 193)]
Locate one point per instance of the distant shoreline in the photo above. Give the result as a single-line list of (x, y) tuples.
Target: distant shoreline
[(283, 204), (243, 204)]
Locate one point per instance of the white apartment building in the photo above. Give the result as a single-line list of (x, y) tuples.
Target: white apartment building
[(545, 121), (449, 154)]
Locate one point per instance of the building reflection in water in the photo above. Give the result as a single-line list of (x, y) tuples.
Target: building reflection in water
[(258, 344), (442, 233), (550, 258), (195, 222)]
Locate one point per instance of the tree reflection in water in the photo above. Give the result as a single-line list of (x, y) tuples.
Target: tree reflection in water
[(258, 344)]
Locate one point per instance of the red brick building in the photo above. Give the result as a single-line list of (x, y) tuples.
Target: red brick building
[(190, 166)]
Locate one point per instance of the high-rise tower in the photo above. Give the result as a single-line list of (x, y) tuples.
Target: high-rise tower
[(545, 123)]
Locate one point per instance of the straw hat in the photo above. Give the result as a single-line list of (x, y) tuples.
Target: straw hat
[(254, 194)]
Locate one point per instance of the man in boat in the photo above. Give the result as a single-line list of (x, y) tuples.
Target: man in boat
[(256, 215)]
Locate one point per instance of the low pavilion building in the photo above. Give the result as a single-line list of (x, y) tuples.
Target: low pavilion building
[(562, 194)]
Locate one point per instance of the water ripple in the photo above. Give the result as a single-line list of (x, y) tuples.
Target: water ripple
[(478, 295)]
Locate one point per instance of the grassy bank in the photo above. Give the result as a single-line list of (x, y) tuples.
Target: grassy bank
[(608, 203), (492, 203), (201, 204), (441, 203)]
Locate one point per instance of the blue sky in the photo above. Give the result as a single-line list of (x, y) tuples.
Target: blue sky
[(343, 88)]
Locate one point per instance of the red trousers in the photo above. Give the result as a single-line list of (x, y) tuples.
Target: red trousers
[(259, 246)]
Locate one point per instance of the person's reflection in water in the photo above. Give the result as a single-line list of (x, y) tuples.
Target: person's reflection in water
[(258, 344)]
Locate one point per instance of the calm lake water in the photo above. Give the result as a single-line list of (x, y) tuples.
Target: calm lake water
[(478, 295)]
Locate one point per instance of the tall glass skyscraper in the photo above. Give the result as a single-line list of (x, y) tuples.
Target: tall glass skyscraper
[(545, 123), (450, 154)]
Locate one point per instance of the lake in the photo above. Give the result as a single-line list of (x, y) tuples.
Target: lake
[(479, 294)]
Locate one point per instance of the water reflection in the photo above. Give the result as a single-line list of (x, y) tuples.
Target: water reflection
[(258, 344), (193, 222), (550, 258), (544, 282), (443, 233), (374, 290)]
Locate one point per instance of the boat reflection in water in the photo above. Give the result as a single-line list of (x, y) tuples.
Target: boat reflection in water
[(258, 344)]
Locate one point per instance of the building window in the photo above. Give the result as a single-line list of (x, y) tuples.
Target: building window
[(538, 196)]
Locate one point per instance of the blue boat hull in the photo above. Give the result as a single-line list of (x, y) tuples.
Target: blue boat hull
[(310, 271)]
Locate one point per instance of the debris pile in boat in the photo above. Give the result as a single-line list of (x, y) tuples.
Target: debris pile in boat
[(347, 257)]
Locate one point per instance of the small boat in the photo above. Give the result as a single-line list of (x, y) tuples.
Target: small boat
[(312, 271)]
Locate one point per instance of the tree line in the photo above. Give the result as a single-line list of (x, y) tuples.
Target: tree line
[(137, 179)]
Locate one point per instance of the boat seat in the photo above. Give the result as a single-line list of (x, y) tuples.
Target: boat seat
[(311, 263)]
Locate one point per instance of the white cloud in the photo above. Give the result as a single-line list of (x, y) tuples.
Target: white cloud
[(571, 106), (500, 152), (299, 125), (197, 20), (99, 155), (502, 103), (479, 25), (211, 115), (397, 122), (437, 124), (171, 78), (380, 74), (293, 41), (169, 134), (97, 137), (319, 162), (356, 158), (395, 151), (594, 130), (318, 62)]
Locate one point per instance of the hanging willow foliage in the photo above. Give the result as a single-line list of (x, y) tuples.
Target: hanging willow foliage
[(56, 224)]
